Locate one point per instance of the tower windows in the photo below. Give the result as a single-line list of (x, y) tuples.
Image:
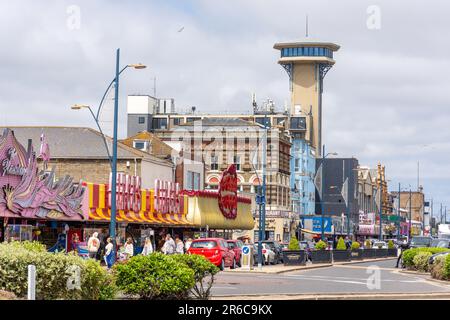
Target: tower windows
[(307, 51)]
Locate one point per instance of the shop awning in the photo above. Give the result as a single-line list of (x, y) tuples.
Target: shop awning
[(104, 215), (204, 211)]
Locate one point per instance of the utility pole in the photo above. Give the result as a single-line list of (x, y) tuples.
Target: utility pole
[(409, 226), (262, 197), (398, 212), (381, 205)]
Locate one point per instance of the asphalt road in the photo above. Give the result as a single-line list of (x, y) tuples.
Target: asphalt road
[(366, 277)]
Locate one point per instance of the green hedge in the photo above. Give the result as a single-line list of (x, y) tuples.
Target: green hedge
[(446, 271), (420, 261), (55, 273), (356, 245), (320, 245), (408, 255), (156, 276), (341, 244), (293, 243)]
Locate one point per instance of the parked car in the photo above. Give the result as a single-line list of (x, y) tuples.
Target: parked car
[(216, 250), (440, 243), (236, 246), (432, 259), (277, 248), (267, 253), (380, 245), (420, 242)]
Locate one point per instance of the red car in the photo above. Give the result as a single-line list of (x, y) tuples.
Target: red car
[(236, 246), (215, 250)]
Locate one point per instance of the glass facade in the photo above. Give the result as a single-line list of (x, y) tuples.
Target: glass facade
[(307, 51)]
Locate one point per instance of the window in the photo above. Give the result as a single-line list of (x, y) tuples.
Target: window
[(176, 121), (214, 163), (237, 162), (160, 123), (298, 123), (297, 165), (141, 120), (141, 145)]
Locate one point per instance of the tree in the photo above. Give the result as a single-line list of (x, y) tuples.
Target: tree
[(293, 244)]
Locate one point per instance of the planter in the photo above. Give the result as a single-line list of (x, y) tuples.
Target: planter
[(321, 256), (392, 252), (381, 253), (294, 257), (341, 255), (369, 253), (357, 254)]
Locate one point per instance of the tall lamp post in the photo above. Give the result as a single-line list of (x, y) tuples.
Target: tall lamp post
[(410, 214), (322, 200), (113, 159)]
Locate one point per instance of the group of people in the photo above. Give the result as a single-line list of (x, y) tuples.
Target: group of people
[(126, 251)]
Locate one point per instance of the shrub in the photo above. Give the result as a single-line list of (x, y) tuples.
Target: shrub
[(154, 276), (355, 245), (408, 255), (391, 244), (97, 283), (437, 268), (204, 272), (5, 295), (293, 244), (367, 244), (420, 261), (446, 268), (320, 245), (341, 244), (33, 246), (54, 273)]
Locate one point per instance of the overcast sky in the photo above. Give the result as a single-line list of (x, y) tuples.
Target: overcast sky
[(386, 99)]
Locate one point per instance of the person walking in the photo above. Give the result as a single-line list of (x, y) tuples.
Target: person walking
[(148, 248), (179, 245), (187, 245), (108, 252), (129, 248), (75, 242), (93, 245), (169, 246), (405, 245)]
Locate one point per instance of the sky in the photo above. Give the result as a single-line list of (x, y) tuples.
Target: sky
[(385, 100)]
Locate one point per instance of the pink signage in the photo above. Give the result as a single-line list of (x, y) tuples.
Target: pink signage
[(26, 192)]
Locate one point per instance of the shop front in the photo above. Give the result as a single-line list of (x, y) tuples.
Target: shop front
[(34, 204), (140, 212)]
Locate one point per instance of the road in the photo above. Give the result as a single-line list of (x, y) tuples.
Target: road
[(360, 278)]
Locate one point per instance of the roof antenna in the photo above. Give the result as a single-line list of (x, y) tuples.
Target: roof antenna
[(307, 26)]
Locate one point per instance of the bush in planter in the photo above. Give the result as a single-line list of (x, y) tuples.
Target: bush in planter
[(446, 271), (156, 276), (437, 268), (204, 272), (293, 244), (356, 245), (408, 255), (320, 245), (341, 244), (391, 244), (420, 261), (368, 244)]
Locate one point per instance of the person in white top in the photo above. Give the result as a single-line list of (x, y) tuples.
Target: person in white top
[(169, 246), (109, 252), (188, 243), (148, 248), (93, 245), (129, 248), (179, 245)]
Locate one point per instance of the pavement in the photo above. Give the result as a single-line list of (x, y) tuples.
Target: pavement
[(375, 279)]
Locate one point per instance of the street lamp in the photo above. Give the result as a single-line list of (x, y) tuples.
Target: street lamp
[(322, 200), (113, 160)]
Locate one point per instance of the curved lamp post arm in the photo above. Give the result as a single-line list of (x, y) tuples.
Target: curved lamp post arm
[(103, 135), (106, 92)]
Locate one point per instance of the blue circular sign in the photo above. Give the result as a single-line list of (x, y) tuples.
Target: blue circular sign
[(245, 250)]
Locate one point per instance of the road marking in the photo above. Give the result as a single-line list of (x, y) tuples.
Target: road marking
[(230, 288)]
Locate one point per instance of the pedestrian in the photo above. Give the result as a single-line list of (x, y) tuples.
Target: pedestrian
[(102, 238), (405, 245), (93, 245), (148, 248), (169, 246), (109, 253), (188, 244), (75, 242), (129, 248), (179, 245)]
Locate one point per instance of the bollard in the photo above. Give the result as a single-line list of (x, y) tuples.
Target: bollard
[(31, 282)]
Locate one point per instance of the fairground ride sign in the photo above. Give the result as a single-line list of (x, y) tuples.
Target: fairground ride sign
[(27, 193)]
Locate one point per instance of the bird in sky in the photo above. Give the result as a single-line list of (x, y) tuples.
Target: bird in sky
[(181, 29)]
